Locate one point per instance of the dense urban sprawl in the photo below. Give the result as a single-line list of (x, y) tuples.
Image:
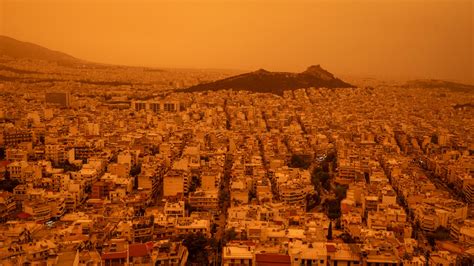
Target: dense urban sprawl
[(360, 176)]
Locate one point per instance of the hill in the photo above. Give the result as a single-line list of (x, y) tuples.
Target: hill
[(24, 50), (274, 82), (32, 64)]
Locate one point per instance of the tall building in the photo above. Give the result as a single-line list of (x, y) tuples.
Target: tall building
[(58, 98)]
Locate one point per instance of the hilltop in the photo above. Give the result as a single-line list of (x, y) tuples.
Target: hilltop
[(275, 82)]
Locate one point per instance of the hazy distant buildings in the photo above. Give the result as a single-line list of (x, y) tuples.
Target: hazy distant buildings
[(157, 106), (62, 99)]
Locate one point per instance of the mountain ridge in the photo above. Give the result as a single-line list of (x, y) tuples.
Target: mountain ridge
[(26, 50)]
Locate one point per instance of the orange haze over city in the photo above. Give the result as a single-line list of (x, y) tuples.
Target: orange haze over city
[(395, 39)]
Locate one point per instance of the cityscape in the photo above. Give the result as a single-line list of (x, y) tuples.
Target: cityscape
[(116, 164)]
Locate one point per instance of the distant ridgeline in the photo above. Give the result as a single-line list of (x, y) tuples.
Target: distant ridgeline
[(274, 82), (18, 49), (434, 84)]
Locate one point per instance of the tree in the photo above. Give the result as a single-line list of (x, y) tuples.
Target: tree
[(243, 235), (252, 194), (135, 170), (320, 178), (316, 179), (325, 181), (68, 167), (213, 228), (223, 198), (329, 236), (427, 257), (8, 184), (347, 238), (154, 150), (197, 247), (325, 166), (189, 208), (431, 240), (214, 243), (340, 192), (229, 235), (6, 175), (367, 177), (312, 200), (300, 161), (195, 183), (465, 260), (333, 209), (440, 234), (338, 224), (331, 157)]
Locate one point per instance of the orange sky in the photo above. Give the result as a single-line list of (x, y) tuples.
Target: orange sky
[(384, 38)]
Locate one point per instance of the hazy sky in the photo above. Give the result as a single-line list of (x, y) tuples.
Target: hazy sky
[(387, 38)]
